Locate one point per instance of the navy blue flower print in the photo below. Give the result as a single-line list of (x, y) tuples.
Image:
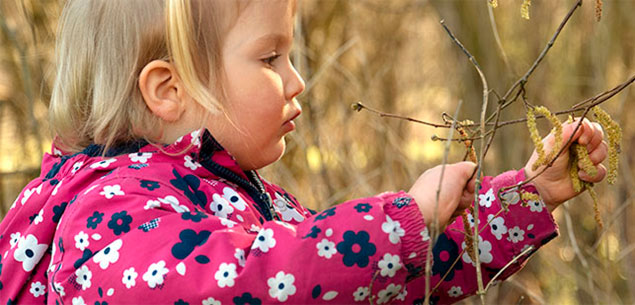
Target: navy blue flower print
[(120, 222), (189, 240), (93, 221), (181, 302), (86, 255), (363, 207), (150, 185), (445, 253), (195, 216), (356, 248), (189, 185), (58, 210), (314, 232), (401, 202), (326, 213), (246, 299), (413, 271)]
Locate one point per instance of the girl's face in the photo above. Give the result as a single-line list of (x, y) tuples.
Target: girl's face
[(260, 85)]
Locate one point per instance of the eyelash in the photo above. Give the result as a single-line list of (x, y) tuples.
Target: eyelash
[(269, 60)]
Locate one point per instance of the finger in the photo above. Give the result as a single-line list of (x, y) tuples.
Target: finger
[(466, 169), (601, 173), (599, 154), (466, 200), (567, 131), (587, 132), (598, 136)]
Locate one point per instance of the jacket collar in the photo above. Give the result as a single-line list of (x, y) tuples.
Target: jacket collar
[(199, 144)]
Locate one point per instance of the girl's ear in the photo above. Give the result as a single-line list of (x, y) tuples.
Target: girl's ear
[(162, 90)]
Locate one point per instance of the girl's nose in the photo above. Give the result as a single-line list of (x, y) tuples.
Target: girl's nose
[(295, 84)]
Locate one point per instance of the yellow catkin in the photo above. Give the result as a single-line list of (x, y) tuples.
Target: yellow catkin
[(584, 160), (493, 3), (614, 138), (468, 143), (535, 137), (526, 197), (598, 10), (524, 9), (557, 130), (573, 171), (544, 159), (596, 204)]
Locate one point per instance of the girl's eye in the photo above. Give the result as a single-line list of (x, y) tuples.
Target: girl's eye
[(269, 60)]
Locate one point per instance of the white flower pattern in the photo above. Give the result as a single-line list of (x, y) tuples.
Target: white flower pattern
[(83, 275), (140, 157), (103, 163), (536, 205), (108, 255), (29, 252), (37, 289), (81, 241), (385, 295), (220, 206), (155, 274), (389, 265), (485, 200), (264, 240), (210, 301), (497, 226), (240, 256), (281, 286), (393, 229), (174, 203), (455, 291), (111, 191), (516, 234), (484, 252), (129, 277), (361, 293), (190, 163), (326, 248), (225, 275)]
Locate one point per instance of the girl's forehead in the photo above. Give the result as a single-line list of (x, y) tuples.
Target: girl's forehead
[(264, 20)]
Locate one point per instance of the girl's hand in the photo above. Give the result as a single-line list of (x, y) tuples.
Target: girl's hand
[(457, 193), (554, 185)]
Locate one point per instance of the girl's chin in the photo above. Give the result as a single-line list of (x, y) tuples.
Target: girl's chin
[(267, 157)]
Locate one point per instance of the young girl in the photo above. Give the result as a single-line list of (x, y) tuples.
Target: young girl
[(163, 112)]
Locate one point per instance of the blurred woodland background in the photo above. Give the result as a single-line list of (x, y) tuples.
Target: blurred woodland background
[(395, 56)]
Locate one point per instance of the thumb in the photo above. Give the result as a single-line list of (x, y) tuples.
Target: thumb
[(466, 170)]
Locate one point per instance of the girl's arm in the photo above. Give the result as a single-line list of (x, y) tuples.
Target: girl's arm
[(153, 245), (504, 235)]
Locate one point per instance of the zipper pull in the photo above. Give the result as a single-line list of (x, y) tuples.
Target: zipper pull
[(269, 202)]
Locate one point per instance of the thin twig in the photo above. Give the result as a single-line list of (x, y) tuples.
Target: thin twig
[(514, 259), (542, 55), (359, 106), (479, 168), (435, 228)]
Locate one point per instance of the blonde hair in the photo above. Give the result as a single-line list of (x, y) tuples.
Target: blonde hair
[(103, 45)]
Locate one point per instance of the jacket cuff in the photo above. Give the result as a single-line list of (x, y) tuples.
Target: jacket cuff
[(402, 207), (536, 225)]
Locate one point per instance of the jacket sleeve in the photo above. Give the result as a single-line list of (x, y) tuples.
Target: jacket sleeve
[(524, 227), (121, 243), (126, 242)]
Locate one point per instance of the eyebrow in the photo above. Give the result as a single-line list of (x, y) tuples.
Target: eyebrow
[(275, 38)]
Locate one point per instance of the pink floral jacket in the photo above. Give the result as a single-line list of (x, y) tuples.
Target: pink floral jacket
[(149, 225)]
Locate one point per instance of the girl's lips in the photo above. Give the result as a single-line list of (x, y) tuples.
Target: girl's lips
[(289, 125)]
